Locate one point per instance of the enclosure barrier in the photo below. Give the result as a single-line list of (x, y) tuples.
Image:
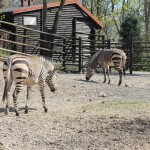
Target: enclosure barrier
[(72, 51)]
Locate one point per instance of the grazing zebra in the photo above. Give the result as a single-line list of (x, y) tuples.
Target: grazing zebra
[(27, 70), (104, 59)]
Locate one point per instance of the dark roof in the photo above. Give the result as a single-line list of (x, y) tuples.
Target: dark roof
[(37, 7)]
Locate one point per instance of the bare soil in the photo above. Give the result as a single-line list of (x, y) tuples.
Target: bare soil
[(82, 115)]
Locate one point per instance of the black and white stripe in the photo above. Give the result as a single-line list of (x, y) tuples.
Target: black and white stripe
[(27, 70), (104, 59)]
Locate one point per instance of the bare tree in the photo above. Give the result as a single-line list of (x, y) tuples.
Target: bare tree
[(44, 16)]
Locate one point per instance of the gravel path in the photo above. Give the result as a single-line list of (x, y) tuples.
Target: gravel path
[(82, 115)]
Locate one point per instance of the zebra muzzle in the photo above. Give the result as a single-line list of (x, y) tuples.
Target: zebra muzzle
[(53, 89), (87, 79)]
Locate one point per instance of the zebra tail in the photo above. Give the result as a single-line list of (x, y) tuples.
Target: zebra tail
[(124, 67), (124, 70), (7, 83)]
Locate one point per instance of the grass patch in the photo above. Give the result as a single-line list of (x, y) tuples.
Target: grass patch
[(4, 53), (117, 105)]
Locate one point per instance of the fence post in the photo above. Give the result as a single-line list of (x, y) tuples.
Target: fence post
[(108, 44), (103, 42), (64, 52), (14, 38), (24, 41), (80, 54), (131, 55)]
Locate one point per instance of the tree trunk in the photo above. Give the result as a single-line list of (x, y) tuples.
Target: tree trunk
[(55, 25), (147, 18), (44, 28), (54, 28)]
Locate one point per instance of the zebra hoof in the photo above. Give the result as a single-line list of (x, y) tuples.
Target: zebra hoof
[(6, 111), (17, 114), (119, 84), (26, 111), (53, 89), (46, 110)]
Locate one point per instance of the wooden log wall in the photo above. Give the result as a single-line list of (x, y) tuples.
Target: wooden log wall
[(66, 24), (19, 20)]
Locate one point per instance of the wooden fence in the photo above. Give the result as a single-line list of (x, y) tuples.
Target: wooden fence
[(71, 52), (139, 56)]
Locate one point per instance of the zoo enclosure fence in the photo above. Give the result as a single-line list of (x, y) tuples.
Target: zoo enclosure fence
[(71, 52)]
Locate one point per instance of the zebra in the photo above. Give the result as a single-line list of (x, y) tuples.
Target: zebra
[(104, 59), (27, 70)]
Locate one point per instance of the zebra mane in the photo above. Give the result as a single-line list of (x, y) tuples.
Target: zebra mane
[(44, 58), (47, 63), (93, 58)]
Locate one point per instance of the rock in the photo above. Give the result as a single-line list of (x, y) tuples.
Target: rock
[(90, 100), (84, 110), (102, 94), (126, 85)]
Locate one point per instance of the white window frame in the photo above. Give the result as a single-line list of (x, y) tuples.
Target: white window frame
[(30, 20)]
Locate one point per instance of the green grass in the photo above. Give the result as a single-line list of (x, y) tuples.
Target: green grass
[(117, 105), (4, 53)]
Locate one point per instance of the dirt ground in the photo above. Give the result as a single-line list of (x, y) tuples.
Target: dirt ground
[(82, 115)]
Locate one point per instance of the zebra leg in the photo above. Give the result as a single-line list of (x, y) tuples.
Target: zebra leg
[(107, 69), (120, 76), (41, 84), (104, 72), (27, 99), (5, 100), (15, 98), (6, 111)]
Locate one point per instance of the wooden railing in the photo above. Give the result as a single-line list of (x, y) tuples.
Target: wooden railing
[(72, 51)]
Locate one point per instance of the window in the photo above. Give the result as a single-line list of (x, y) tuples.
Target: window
[(29, 20)]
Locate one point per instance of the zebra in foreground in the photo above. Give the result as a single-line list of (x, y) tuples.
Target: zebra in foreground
[(104, 59), (27, 70)]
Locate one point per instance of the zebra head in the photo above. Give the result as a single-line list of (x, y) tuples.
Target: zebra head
[(89, 73), (51, 80), (51, 76)]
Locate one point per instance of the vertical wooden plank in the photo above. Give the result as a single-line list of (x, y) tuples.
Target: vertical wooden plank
[(108, 44), (24, 41), (15, 38), (103, 42), (92, 42), (80, 55), (64, 52), (74, 38)]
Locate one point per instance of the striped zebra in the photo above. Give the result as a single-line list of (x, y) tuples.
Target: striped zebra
[(27, 70), (104, 59)]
